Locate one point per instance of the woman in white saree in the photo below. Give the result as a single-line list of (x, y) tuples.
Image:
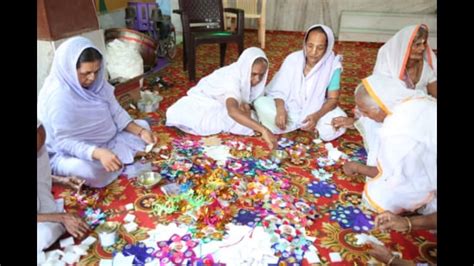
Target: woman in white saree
[(305, 91), (220, 102), (406, 157)]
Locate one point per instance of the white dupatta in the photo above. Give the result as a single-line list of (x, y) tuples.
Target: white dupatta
[(233, 80)]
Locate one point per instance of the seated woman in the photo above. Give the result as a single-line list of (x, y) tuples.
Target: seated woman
[(52, 222), (305, 91), (89, 135), (220, 102), (389, 221), (407, 56), (405, 177)]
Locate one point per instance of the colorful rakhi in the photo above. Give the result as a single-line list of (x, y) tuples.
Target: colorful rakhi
[(176, 250), (142, 253)]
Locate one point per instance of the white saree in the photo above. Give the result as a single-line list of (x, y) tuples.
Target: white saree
[(407, 152)]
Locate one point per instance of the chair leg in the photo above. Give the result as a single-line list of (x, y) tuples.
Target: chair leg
[(259, 30), (191, 63), (261, 33), (241, 45), (223, 48), (185, 62)]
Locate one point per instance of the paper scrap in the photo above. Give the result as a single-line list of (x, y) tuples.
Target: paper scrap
[(129, 218), (89, 241), (130, 227), (335, 257), (129, 207), (66, 242)]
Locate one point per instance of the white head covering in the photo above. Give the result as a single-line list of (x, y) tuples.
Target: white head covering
[(390, 94), (234, 79), (329, 49), (387, 92), (393, 55), (244, 65), (63, 70)]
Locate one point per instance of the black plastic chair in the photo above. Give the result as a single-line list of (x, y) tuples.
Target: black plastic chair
[(203, 22)]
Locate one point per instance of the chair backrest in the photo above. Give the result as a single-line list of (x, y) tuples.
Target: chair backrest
[(203, 15)]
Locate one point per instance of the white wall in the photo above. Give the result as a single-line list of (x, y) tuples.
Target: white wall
[(298, 15), (114, 19)]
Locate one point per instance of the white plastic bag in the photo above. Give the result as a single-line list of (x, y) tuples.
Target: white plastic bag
[(123, 60), (149, 102)]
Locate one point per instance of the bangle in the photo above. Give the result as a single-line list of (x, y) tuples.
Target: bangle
[(391, 259), (140, 132), (409, 225)]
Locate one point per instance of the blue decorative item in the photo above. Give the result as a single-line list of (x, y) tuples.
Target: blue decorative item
[(352, 217), (322, 188)]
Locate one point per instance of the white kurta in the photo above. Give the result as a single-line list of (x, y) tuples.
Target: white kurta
[(303, 95), (203, 111), (407, 155)]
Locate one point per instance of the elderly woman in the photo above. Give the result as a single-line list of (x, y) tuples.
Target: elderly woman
[(89, 135), (52, 221), (405, 176), (220, 102), (407, 56), (305, 91)]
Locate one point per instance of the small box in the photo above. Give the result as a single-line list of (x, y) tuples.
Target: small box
[(128, 92)]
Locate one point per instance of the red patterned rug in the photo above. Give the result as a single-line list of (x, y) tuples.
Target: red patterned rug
[(293, 180)]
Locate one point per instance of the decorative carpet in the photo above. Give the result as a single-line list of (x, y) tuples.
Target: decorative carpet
[(249, 188)]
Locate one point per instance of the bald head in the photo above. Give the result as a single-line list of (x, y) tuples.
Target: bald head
[(366, 104)]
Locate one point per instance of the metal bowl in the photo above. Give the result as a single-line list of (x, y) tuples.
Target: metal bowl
[(279, 155), (107, 227), (149, 179)]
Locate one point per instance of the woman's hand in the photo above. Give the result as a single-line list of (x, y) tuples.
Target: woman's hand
[(148, 137), (108, 159), (342, 121), (350, 168), (310, 123), (74, 225), (390, 221), (281, 118), (379, 252), (72, 182)]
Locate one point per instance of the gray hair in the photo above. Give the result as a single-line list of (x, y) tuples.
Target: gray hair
[(363, 96), (260, 60), (422, 33)]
